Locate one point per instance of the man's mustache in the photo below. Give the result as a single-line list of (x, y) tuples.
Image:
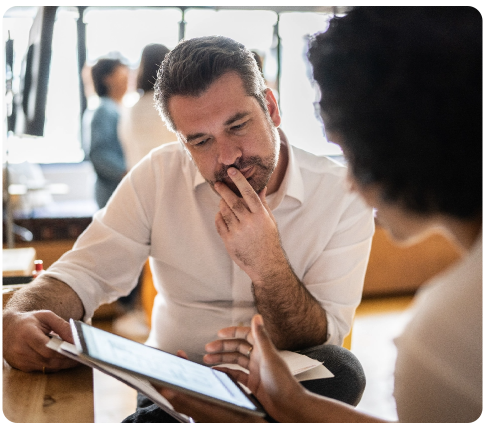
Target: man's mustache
[(240, 164)]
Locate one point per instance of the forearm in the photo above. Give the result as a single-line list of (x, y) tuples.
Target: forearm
[(294, 319), (47, 293)]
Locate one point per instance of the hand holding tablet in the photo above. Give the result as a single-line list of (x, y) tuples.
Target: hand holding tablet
[(162, 368)]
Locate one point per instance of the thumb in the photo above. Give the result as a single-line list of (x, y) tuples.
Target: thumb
[(260, 335), (56, 324)]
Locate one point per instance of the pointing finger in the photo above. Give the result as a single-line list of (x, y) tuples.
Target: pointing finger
[(235, 332), (229, 345), (248, 193)]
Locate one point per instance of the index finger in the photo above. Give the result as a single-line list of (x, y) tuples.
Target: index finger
[(235, 332), (230, 345), (248, 193)]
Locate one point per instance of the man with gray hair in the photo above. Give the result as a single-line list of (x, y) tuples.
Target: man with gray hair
[(230, 218)]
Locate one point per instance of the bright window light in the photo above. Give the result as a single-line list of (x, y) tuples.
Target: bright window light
[(62, 115), (126, 30), (252, 28), (297, 93)]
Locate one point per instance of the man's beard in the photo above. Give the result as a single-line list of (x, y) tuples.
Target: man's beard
[(264, 168)]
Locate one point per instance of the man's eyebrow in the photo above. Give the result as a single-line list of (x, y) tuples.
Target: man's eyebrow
[(236, 117), (195, 136)]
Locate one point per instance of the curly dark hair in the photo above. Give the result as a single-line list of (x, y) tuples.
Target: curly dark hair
[(402, 87), (151, 59), (194, 64), (103, 68)]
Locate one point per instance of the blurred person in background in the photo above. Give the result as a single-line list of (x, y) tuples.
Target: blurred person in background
[(140, 128), (110, 78)]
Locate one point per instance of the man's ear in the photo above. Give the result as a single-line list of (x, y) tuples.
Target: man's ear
[(272, 107)]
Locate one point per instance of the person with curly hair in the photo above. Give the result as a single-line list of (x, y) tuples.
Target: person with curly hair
[(401, 95)]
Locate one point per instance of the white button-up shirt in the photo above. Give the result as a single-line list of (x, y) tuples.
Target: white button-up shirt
[(165, 210)]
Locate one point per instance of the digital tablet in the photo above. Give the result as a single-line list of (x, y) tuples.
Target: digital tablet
[(163, 368)]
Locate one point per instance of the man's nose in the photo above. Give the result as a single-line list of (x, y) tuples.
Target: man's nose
[(228, 152)]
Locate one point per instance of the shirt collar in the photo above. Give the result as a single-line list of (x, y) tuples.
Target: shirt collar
[(292, 184), (198, 179)]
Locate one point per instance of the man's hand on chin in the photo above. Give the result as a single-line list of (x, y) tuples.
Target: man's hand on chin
[(248, 229)]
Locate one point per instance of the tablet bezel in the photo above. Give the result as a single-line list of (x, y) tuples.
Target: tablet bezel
[(79, 340)]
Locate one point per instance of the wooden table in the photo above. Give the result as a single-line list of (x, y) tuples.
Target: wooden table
[(62, 397)]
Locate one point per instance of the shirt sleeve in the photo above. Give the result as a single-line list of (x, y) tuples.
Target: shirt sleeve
[(107, 258), (336, 278)]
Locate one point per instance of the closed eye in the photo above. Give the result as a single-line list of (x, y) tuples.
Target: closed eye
[(201, 142), (239, 126)]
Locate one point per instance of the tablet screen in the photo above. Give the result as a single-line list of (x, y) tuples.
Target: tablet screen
[(162, 366)]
